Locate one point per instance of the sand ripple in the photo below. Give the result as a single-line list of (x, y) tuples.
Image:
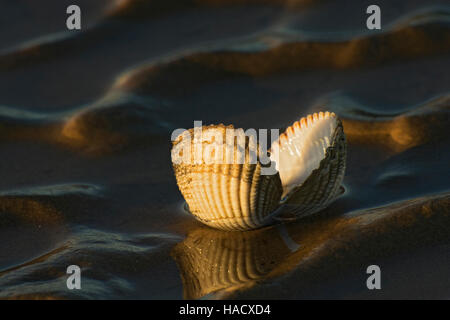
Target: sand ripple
[(85, 125)]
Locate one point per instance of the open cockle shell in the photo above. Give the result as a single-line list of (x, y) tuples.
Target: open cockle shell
[(222, 181)]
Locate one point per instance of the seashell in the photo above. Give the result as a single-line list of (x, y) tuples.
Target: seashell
[(311, 158), (219, 172), (220, 191)]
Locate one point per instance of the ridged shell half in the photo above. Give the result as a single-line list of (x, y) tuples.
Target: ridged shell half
[(219, 190), (211, 261), (311, 158)]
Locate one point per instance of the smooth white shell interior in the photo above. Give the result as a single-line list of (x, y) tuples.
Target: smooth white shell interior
[(300, 149)]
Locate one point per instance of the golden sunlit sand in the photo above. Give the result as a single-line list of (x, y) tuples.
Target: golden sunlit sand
[(86, 119)]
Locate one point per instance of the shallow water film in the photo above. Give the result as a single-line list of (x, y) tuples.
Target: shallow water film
[(86, 118)]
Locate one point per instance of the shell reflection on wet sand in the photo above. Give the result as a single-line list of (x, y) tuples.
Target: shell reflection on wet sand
[(211, 261), (219, 172)]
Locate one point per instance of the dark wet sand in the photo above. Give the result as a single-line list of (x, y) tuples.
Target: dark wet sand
[(85, 125)]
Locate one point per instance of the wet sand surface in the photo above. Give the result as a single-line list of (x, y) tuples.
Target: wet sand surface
[(85, 124)]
